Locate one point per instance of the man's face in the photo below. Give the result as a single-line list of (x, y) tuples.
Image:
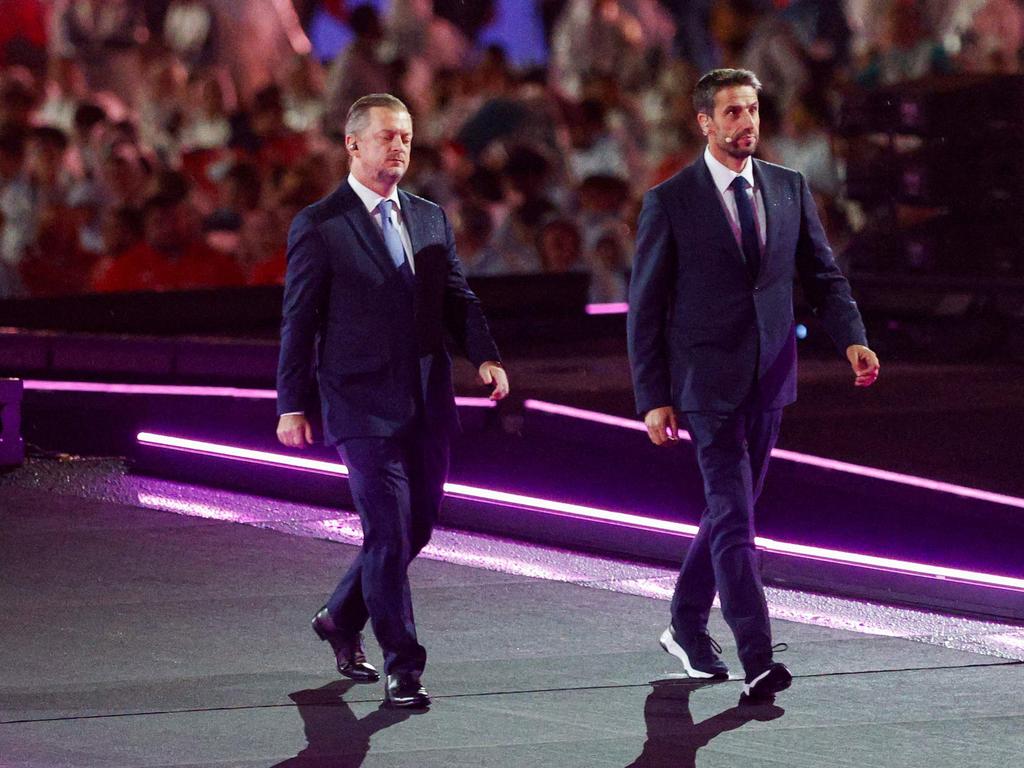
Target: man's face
[(380, 153), (735, 127)]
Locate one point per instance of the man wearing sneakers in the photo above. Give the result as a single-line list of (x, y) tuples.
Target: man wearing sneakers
[(711, 336)]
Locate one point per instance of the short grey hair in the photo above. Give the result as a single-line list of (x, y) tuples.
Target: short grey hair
[(717, 79), (359, 113)]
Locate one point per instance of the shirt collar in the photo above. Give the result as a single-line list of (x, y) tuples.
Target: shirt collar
[(370, 198), (723, 176)]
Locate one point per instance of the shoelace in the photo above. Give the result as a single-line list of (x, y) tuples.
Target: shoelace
[(717, 648), (780, 647)]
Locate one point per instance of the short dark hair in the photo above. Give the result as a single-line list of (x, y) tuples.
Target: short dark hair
[(717, 79), (359, 113)]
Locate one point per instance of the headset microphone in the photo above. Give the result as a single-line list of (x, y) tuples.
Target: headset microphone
[(728, 139)]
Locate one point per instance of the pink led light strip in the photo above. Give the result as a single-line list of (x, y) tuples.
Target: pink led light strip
[(179, 390), (591, 513), (794, 456), (455, 489), (609, 308)]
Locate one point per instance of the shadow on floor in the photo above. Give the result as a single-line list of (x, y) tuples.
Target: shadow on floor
[(673, 738), (335, 737)]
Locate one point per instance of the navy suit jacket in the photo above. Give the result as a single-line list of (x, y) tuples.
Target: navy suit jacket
[(701, 330), (360, 333)]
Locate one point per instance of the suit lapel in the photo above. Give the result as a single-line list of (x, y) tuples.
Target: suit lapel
[(768, 196), (366, 229), (412, 222)]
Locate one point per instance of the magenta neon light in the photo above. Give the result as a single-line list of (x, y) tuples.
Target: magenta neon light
[(180, 390), (592, 513), (796, 457), (608, 308), (594, 416), (455, 489), (148, 389)]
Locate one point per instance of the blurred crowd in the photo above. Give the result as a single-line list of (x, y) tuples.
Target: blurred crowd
[(167, 144)]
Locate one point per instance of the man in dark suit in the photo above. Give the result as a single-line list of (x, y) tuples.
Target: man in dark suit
[(372, 285), (711, 335)]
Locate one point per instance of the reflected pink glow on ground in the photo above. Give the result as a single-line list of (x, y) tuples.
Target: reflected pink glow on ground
[(799, 458), (190, 508), (181, 390), (592, 513)]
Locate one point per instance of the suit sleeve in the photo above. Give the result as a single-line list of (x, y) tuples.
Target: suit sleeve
[(305, 300), (824, 286), (463, 314), (650, 292)]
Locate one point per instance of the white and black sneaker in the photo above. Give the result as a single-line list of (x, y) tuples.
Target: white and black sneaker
[(698, 652), (764, 685)]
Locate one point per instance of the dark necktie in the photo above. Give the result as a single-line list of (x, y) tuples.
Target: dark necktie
[(392, 239), (748, 230)]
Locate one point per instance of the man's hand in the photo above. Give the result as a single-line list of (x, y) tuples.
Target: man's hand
[(492, 373), (662, 427), (294, 430), (864, 363)]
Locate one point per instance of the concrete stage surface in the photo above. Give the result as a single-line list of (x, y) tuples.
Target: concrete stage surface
[(150, 623)]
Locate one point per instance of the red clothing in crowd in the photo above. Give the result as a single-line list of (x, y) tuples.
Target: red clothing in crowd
[(143, 268), (270, 271), (24, 20)]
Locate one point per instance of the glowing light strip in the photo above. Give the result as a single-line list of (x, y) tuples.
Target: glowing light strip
[(180, 390), (609, 308), (149, 389), (454, 489), (595, 514), (244, 454), (796, 457)]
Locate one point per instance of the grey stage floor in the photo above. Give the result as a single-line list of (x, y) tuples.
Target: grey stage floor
[(134, 637)]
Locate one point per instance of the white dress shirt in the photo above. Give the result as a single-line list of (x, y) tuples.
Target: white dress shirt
[(372, 200), (723, 177)]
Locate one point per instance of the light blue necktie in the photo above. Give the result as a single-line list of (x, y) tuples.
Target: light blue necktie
[(392, 239)]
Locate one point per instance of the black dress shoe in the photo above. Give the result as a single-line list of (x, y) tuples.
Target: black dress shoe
[(405, 691), (348, 649)]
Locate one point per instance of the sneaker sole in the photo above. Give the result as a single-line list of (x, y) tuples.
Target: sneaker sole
[(673, 648)]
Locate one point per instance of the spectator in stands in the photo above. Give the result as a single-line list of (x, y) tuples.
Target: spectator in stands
[(191, 29), (162, 103), (63, 91), (68, 239), (359, 69), (607, 248), (18, 97), (906, 50), (173, 255), (804, 145), (125, 176), (23, 34), (595, 150), (473, 231), (18, 209), (993, 42), (560, 245), (303, 95), (429, 44), (207, 122), (597, 36), (88, 137), (104, 36)]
